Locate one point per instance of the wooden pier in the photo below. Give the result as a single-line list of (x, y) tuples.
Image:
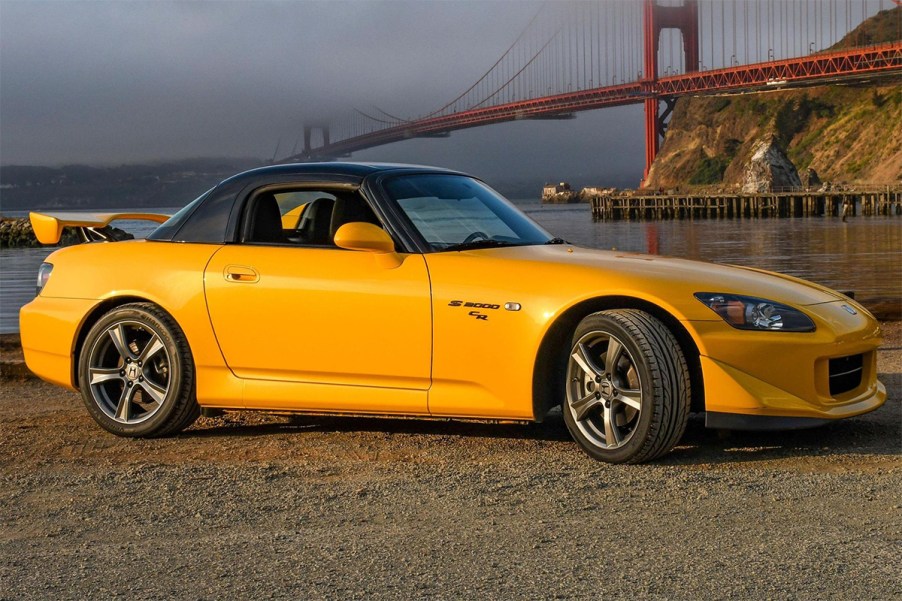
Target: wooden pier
[(886, 200)]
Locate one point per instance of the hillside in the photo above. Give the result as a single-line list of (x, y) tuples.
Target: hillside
[(845, 133), (169, 184), (885, 26), (80, 186)]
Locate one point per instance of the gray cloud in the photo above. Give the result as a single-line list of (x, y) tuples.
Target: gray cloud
[(114, 82)]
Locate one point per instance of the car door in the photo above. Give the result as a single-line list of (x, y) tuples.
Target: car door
[(320, 327)]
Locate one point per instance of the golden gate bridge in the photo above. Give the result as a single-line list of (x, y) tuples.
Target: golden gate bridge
[(579, 56)]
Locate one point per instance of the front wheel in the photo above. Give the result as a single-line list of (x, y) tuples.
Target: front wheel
[(136, 372), (627, 392)]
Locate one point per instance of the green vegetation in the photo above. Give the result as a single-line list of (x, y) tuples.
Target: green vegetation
[(793, 115), (720, 104), (855, 167), (17, 233), (710, 171), (845, 133), (800, 154), (877, 99), (731, 146)]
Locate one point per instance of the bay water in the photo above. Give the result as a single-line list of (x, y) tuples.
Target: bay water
[(862, 255)]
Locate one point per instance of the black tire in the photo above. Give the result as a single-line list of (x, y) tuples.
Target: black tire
[(136, 373), (635, 409)]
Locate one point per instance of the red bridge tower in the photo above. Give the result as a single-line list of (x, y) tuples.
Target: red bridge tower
[(655, 19)]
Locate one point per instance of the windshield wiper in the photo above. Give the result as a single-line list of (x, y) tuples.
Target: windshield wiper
[(557, 241), (480, 244)]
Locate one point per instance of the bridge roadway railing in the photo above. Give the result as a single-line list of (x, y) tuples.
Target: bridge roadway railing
[(843, 63)]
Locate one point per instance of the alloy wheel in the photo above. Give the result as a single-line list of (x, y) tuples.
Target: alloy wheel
[(604, 394), (129, 372)]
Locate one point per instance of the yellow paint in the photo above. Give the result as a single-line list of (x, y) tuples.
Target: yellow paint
[(364, 236), (48, 227), (336, 330), (730, 390), (292, 218), (169, 275), (323, 316), (370, 238), (48, 329)]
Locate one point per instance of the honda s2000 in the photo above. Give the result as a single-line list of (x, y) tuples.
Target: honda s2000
[(395, 290)]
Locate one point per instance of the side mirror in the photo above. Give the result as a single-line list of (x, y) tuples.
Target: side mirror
[(364, 236)]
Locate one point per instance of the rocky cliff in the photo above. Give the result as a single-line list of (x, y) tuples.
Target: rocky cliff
[(843, 133)]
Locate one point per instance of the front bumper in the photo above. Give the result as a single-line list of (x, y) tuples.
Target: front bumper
[(730, 394), (766, 380)]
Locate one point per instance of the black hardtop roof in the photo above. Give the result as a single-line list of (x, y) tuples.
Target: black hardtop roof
[(359, 170)]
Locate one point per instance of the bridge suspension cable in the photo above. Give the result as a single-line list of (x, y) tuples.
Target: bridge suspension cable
[(597, 52)]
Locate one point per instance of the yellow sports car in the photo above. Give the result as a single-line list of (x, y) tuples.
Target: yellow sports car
[(399, 290)]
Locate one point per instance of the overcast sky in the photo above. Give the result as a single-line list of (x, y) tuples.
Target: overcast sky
[(118, 82)]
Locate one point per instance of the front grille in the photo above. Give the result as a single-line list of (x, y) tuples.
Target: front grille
[(845, 374)]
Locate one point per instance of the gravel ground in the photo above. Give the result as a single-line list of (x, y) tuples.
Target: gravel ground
[(258, 506)]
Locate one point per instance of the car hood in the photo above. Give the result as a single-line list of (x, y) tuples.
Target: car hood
[(672, 275)]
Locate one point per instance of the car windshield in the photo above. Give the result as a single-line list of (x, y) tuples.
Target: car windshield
[(455, 212)]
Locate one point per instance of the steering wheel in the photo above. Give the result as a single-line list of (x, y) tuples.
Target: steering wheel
[(475, 236)]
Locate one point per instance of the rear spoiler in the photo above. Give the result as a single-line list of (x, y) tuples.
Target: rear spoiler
[(48, 227)]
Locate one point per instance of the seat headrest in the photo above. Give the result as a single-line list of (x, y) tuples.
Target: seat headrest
[(266, 222), (348, 210), (318, 220)]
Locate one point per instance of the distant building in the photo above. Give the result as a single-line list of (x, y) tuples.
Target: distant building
[(560, 193)]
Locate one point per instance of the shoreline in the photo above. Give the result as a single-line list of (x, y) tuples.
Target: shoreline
[(17, 232)]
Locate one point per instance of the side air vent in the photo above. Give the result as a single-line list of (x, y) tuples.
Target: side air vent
[(845, 374)]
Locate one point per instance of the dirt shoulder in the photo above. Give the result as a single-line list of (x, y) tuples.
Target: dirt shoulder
[(268, 506)]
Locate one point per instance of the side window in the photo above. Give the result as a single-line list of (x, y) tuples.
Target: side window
[(207, 223), (302, 217)]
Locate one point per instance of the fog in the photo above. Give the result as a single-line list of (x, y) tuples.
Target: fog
[(122, 82)]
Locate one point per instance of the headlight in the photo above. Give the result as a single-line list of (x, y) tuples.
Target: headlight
[(43, 275), (750, 313)]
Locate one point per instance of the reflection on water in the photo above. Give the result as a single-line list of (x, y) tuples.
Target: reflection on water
[(18, 277), (863, 255)]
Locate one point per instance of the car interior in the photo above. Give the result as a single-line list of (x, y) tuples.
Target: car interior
[(303, 217)]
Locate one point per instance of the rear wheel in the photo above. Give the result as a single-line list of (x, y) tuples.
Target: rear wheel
[(136, 373), (627, 391)]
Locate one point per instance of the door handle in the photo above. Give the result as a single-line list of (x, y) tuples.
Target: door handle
[(241, 274)]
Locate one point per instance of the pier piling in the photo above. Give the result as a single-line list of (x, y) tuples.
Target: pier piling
[(885, 200)]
